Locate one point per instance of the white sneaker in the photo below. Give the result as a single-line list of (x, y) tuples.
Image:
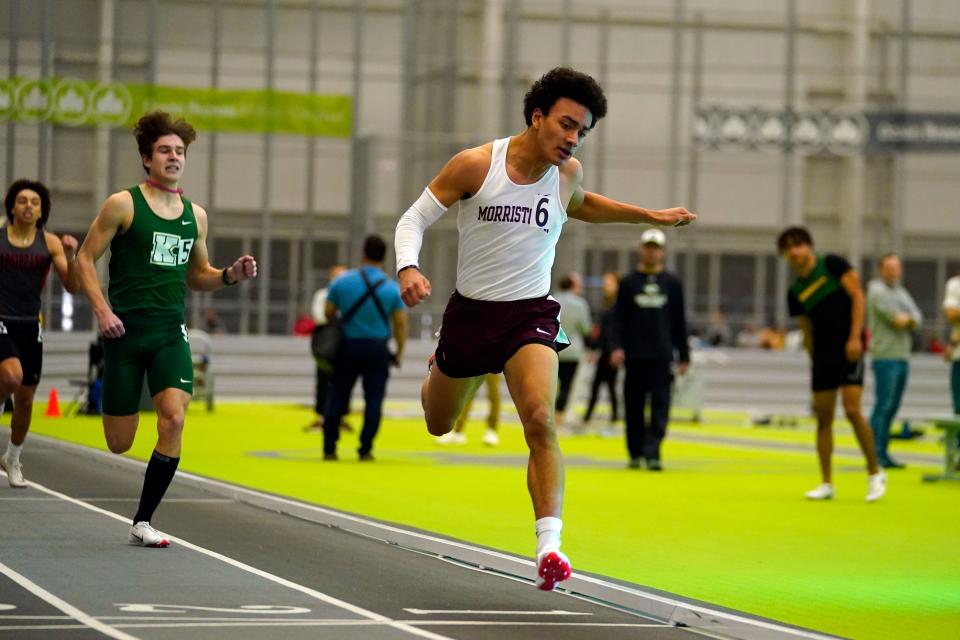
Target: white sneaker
[(453, 437), (490, 438), (14, 472), (876, 486), (822, 492), (144, 535)]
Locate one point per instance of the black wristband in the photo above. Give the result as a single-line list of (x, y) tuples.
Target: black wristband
[(223, 276), (409, 266)]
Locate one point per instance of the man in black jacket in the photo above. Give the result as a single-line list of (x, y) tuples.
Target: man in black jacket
[(649, 325)]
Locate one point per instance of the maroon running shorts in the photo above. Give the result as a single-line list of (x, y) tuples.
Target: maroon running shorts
[(478, 337)]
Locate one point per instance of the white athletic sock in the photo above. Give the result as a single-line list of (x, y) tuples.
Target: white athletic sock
[(548, 534), (13, 452)]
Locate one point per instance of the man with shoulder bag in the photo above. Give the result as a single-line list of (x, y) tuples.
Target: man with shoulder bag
[(370, 310)]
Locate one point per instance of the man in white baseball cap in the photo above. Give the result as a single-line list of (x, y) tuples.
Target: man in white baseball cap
[(649, 326), (653, 236)]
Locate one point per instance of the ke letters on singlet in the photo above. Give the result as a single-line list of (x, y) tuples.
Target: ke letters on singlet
[(170, 250)]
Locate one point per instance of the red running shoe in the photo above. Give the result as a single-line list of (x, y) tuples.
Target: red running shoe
[(553, 567)]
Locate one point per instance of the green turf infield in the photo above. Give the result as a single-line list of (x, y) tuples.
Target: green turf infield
[(725, 523)]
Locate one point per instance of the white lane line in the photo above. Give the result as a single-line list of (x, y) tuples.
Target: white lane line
[(165, 500), (269, 623), (66, 607), (120, 619), (313, 593), (539, 623), (249, 609), (150, 622), (29, 498), (482, 612), (375, 623), (42, 627)]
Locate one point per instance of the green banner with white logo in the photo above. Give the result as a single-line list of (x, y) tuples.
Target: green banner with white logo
[(77, 103)]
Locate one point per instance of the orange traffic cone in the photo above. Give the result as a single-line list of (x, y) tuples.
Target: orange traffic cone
[(53, 404)]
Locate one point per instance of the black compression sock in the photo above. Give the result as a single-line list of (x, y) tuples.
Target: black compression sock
[(160, 472)]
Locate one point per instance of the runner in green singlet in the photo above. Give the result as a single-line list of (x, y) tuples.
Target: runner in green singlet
[(157, 240)]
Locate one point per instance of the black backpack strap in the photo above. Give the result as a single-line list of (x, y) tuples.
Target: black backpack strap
[(359, 303), (376, 300)]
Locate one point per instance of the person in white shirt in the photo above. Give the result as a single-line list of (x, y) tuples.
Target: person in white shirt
[(576, 324), (514, 195), (951, 307), (318, 312)]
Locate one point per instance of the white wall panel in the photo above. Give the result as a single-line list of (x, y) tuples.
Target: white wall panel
[(933, 194)]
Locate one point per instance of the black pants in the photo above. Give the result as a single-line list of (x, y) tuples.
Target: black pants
[(322, 391), (605, 374), (567, 372), (653, 378), (369, 359)]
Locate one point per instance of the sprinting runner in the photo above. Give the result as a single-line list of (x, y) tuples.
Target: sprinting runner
[(27, 250), (514, 196), (158, 244)]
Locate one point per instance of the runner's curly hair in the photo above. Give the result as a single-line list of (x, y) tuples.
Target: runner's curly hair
[(155, 124), (564, 82), (33, 185)]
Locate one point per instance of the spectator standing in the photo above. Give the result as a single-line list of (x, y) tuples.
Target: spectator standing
[(576, 324), (892, 317), (827, 300), (951, 307), (372, 302), (605, 372), (318, 313), (649, 326)]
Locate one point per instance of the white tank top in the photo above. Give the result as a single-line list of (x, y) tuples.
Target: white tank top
[(508, 234)]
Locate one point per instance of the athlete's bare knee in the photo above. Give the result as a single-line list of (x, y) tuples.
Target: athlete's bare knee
[(10, 379), (119, 431), (538, 427), (438, 427), (118, 443), (852, 412), (170, 424)]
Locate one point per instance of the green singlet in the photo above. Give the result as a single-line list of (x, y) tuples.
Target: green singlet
[(148, 273), (148, 263)]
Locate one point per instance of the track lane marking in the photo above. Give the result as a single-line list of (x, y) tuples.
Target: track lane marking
[(593, 590), (313, 593), (75, 613), (484, 612)]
